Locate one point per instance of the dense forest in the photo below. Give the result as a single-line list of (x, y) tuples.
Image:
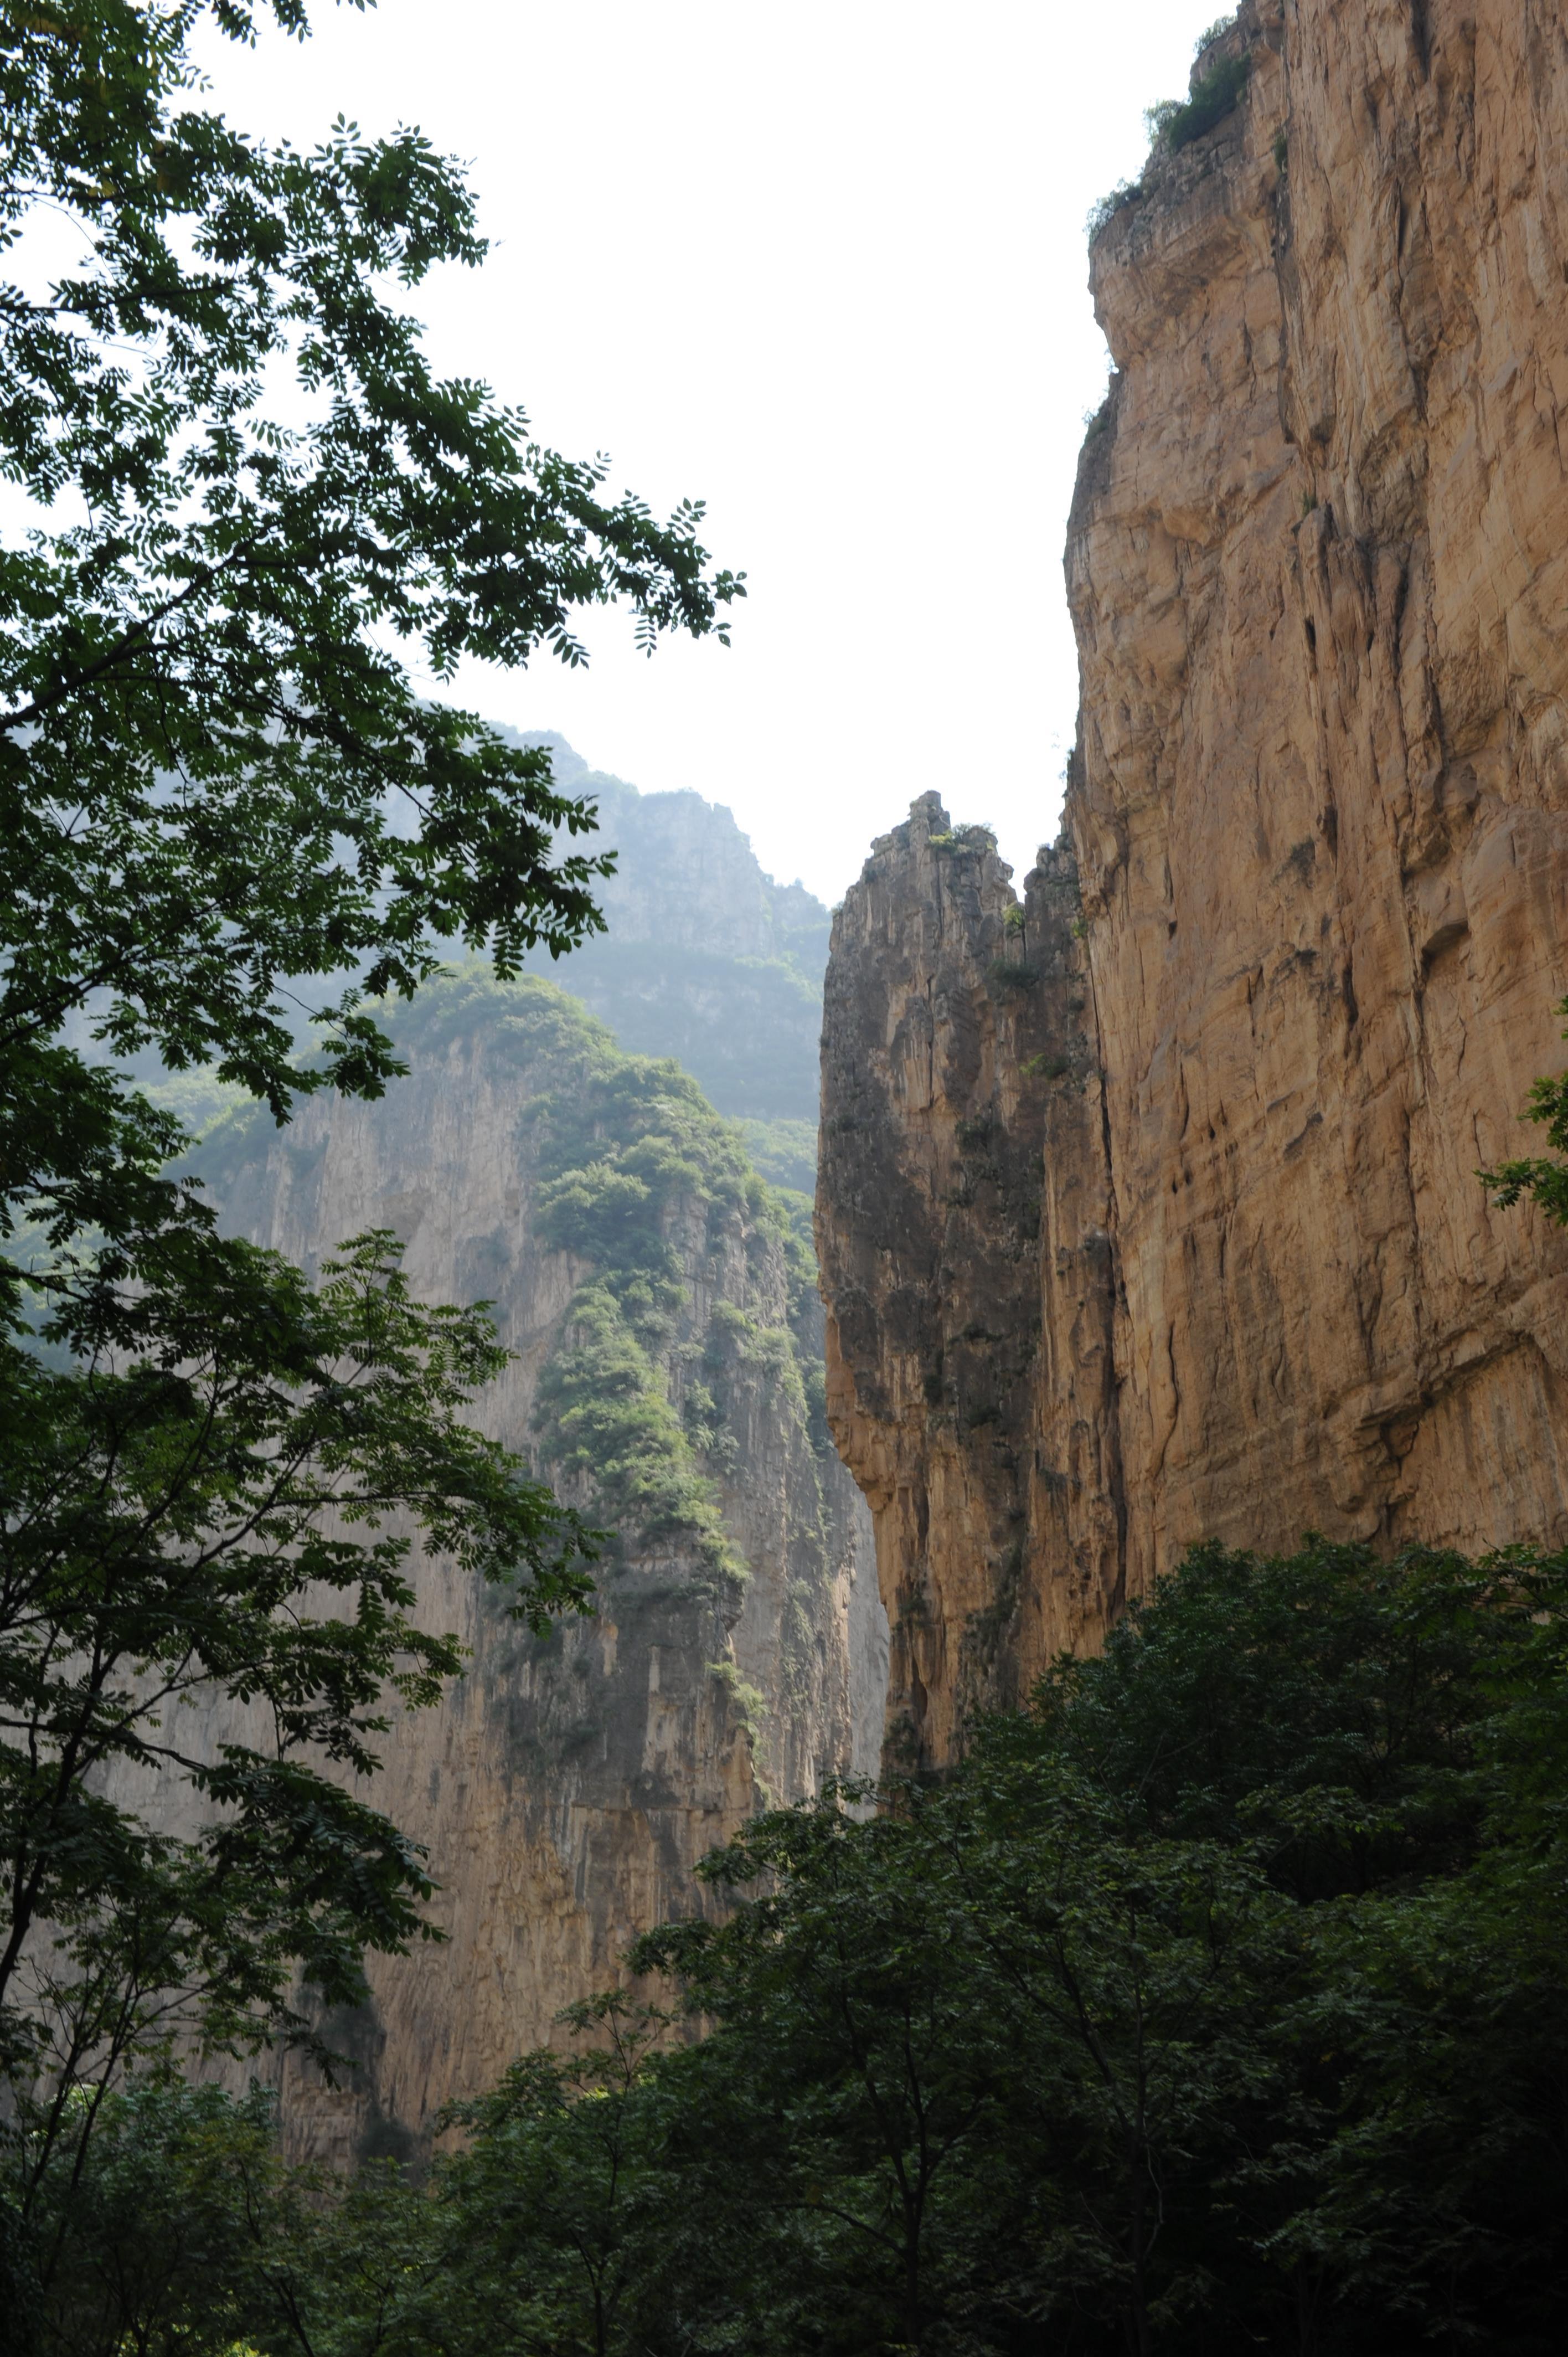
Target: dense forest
[(1216, 2000)]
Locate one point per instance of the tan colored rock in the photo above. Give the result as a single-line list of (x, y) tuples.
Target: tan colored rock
[(1318, 570), (961, 1231)]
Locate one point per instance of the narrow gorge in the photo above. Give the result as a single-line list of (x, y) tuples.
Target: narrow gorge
[(1149, 1205), (730, 1628)]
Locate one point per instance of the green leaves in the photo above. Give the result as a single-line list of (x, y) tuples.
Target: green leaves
[(1168, 2021), (215, 779), (1174, 124), (254, 514), (214, 1497), (1542, 1182), (1215, 2000)]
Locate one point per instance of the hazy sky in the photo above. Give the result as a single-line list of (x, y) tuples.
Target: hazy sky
[(822, 266)]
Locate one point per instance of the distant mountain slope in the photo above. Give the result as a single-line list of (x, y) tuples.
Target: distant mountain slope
[(706, 959)]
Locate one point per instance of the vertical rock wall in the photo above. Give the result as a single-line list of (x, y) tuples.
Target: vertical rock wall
[(568, 1786), (1318, 569)]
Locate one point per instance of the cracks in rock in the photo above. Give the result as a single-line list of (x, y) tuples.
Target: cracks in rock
[(1421, 36)]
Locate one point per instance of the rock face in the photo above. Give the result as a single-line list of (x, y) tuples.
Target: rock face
[(960, 1172), (706, 958), (1319, 818), (567, 1787)]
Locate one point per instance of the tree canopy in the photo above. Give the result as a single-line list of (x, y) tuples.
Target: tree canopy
[(246, 515), (1216, 2001), (258, 511)]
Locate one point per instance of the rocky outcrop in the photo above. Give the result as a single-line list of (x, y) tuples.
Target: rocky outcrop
[(567, 1787), (1318, 563), (962, 1233)]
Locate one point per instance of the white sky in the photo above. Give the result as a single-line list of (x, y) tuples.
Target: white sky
[(823, 266)]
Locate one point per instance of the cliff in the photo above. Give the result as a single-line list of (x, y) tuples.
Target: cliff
[(958, 1165), (705, 958), (668, 1377), (1317, 826)]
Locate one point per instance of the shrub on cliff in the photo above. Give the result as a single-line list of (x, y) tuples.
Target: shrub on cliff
[(1538, 1178), (1176, 124), (636, 1170), (1173, 124)]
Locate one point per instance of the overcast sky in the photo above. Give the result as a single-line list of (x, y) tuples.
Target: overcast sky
[(823, 266)]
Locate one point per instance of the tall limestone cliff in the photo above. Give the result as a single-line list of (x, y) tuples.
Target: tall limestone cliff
[(1317, 834), (667, 1377), (661, 1300), (960, 1170)]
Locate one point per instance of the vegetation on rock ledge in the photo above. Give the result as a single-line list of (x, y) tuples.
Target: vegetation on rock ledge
[(652, 1195), (1536, 1177)]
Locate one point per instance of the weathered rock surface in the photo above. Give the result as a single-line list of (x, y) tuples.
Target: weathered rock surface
[(1318, 567), (567, 1787), (706, 958), (958, 1159)]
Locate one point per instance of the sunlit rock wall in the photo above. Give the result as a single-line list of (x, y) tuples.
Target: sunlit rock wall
[(1318, 565)]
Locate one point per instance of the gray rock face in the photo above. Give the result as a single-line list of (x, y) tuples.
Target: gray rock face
[(706, 958), (567, 1788)]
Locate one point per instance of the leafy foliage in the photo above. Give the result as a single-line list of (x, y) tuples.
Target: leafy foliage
[(213, 1497), (1104, 210), (1177, 123), (1543, 1182), (1212, 32), (784, 1151), (217, 790), (637, 1179), (604, 1414), (1215, 2002), (1174, 124), (182, 2231), (636, 1173), (215, 775)]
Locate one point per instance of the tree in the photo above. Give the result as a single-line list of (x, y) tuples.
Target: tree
[(199, 1503), (215, 779), (224, 810), (1217, 2001), (556, 2216), (185, 2236), (1543, 1181)]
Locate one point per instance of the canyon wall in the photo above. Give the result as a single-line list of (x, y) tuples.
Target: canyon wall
[(667, 1378), (1182, 1232), (962, 1221)]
